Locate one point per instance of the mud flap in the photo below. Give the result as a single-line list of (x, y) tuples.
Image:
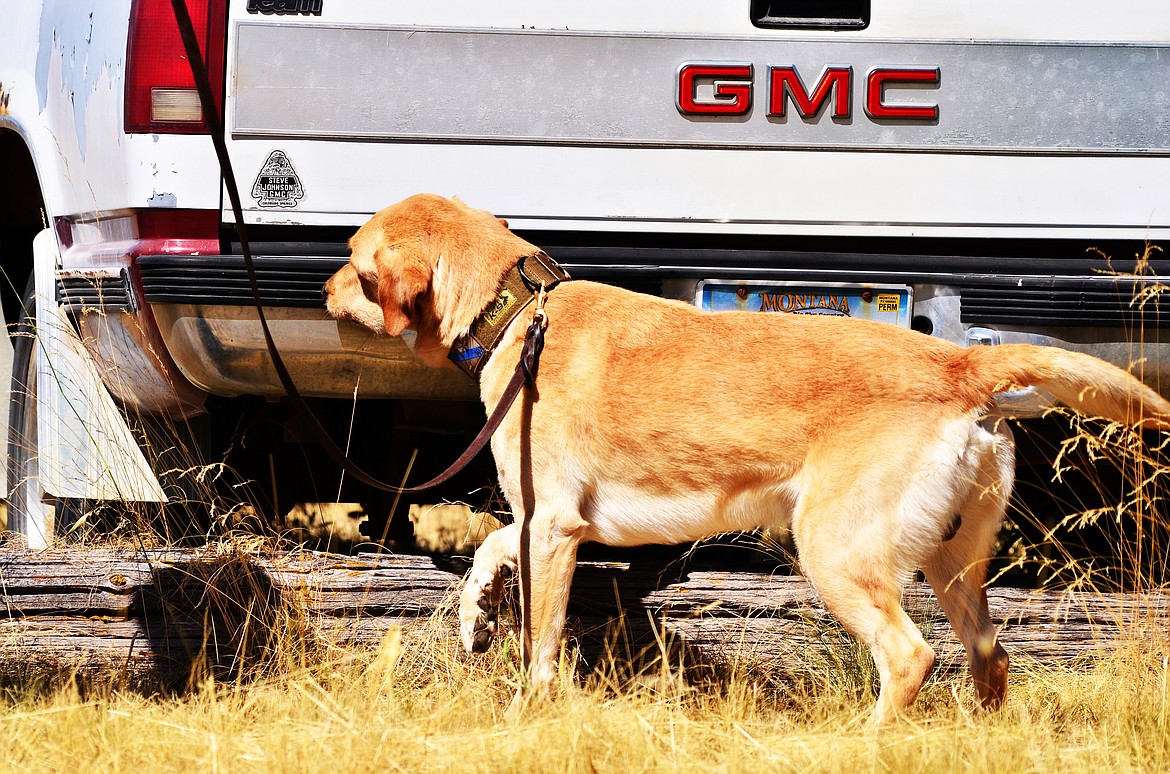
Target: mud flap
[(86, 450)]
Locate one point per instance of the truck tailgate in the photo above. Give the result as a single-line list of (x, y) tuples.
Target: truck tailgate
[(585, 126)]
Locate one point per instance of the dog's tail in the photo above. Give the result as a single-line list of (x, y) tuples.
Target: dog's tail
[(1080, 381)]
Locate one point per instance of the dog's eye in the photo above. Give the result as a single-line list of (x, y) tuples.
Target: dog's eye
[(369, 287)]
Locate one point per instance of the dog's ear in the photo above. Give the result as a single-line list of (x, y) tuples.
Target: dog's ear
[(503, 221), (404, 276)]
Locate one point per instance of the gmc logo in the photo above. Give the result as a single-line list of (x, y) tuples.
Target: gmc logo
[(725, 89)]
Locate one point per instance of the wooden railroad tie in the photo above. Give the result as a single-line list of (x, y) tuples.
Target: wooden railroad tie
[(157, 615)]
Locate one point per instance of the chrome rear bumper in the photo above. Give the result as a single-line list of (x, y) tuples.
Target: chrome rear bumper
[(222, 350)]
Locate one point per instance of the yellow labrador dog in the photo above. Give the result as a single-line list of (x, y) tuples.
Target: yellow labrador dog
[(654, 422)]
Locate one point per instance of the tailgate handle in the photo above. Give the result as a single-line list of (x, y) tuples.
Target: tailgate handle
[(810, 14)]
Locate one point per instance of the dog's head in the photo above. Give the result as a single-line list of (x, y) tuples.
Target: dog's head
[(427, 263)]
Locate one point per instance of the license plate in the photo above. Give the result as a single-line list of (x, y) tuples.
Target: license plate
[(882, 303)]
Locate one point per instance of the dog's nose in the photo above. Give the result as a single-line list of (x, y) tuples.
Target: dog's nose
[(325, 292)]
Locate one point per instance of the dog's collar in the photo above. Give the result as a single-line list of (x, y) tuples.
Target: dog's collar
[(517, 290)]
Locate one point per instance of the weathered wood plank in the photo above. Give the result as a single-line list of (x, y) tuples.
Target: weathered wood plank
[(159, 613)]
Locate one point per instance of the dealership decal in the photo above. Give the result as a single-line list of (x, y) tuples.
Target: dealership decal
[(277, 186)]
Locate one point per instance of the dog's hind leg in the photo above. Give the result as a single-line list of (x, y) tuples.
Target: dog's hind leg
[(957, 570), (483, 591), (858, 585), (862, 526)]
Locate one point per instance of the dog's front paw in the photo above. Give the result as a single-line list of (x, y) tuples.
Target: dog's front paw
[(477, 622), (479, 602)]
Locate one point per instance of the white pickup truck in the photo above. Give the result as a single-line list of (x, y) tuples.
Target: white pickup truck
[(968, 167)]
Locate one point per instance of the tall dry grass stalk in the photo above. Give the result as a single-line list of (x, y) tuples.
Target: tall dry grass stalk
[(1092, 505)]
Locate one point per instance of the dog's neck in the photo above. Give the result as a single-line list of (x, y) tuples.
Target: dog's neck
[(516, 291)]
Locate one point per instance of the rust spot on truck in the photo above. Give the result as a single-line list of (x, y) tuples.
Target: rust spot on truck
[(5, 94)]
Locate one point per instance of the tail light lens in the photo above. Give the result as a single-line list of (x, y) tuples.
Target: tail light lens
[(160, 89)]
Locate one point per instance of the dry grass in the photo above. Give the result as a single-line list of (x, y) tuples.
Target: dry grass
[(415, 708)]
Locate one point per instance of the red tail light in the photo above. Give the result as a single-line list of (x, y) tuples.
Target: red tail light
[(160, 89)]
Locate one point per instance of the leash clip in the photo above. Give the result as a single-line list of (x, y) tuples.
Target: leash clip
[(534, 339), (540, 317)]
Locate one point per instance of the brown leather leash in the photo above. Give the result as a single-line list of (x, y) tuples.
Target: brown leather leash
[(524, 375)]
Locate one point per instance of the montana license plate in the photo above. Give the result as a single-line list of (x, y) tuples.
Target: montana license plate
[(883, 303)]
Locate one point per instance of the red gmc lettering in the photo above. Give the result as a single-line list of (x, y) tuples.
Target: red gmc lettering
[(731, 98), (880, 77), (732, 85), (785, 83)]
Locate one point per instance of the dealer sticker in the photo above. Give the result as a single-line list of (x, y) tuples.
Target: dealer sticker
[(277, 186)]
